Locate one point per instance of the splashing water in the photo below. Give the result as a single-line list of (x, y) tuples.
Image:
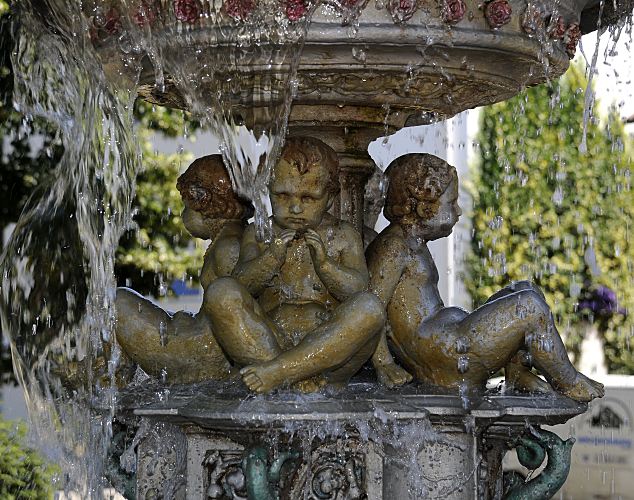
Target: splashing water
[(78, 65), (58, 279)]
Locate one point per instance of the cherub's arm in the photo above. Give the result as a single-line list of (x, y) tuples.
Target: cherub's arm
[(256, 268), (347, 276), (386, 262), (387, 258), (220, 259)]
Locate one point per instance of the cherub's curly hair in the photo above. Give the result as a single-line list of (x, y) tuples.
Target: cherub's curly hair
[(307, 152), (206, 188), (414, 180)]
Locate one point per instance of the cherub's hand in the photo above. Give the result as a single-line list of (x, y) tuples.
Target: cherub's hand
[(316, 247), (280, 243)]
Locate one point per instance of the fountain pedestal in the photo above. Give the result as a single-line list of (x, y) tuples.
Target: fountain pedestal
[(361, 443)]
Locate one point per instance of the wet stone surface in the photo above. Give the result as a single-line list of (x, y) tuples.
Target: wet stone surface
[(361, 442)]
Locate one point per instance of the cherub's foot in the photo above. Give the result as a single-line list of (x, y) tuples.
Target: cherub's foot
[(583, 389), (527, 381), (312, 384), (392, 375), (262, 378)]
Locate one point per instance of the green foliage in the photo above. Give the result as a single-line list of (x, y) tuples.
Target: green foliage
[(159, 248), (23, 473), (547, 212)]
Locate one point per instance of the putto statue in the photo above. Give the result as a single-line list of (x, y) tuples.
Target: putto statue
[(181, 346), (303, 311), (447, 346), (296, 310)]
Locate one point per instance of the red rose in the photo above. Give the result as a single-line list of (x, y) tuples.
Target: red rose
[(295, 9), (573, 35), (145, 14), (239, 9), (113, 22), (557, 29), (186, 11), (453, 11), (402, 10), (532, 19), (498, 13)]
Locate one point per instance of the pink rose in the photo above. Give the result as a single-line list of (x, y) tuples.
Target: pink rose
[(295, 9), (402, 10), (557, 29), (239, 9), (573, 35), (498, 13), (145, 14), (453, 11), (186, 11), (113, 21)]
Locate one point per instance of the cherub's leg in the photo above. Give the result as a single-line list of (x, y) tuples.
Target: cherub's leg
[(520, 377), (499, 329), (182, 346), (517, 286), (388, 372), (239, 324), (327, 348)]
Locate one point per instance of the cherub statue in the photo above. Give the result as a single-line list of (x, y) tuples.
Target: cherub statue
[(447, 346), (182, 345), (295, 311)]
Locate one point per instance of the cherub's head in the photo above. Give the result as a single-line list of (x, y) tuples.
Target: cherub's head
[(209, 197), (423, 192), (304, 183)]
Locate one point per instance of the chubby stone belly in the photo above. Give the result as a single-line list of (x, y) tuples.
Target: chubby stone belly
[(294, 321)]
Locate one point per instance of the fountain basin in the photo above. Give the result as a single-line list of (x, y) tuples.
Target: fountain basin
[(364, 442)]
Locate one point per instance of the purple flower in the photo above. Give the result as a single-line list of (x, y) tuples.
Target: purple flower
[(601, 302), (498, 13)]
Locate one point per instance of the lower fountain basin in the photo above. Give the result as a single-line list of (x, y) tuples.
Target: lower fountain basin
[(363, 442)]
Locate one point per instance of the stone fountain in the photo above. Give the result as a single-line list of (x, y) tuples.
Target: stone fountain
[(268, 392)]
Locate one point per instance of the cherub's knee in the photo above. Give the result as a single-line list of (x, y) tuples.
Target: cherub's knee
[(127, 299), (224, 294), (372, 310)]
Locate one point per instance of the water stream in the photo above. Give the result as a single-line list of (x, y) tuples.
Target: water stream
[(235, 64)]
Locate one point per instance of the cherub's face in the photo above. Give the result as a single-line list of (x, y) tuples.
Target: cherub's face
[(299, 201), (445, 218)]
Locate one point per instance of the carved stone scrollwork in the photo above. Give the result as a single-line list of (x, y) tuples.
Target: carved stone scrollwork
[(336, 471), (226, 478)]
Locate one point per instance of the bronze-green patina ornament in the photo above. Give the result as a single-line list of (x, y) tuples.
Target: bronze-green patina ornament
[(447, 346), (262, 479), (532, 449)]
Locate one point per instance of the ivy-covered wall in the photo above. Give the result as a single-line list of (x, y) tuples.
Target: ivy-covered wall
[(548, 212)]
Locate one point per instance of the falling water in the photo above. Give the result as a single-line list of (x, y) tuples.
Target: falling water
[(57, 273)]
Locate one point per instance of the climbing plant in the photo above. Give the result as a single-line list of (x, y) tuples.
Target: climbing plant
[(547, 211)]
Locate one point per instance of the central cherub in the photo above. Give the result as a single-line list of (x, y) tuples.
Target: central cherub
[(295, 310)]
